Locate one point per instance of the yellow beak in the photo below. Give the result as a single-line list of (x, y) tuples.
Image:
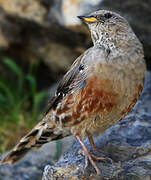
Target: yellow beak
[(89, 19)]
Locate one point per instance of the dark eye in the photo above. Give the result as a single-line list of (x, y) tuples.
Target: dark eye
[(107, 15)]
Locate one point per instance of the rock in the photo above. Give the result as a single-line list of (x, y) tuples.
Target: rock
[(8, 31), (27, 35), (32, 10), (128, 144), (57, 56)]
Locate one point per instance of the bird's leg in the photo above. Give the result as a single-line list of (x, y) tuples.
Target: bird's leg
[(88, 154), (94, 149), (92, 143)]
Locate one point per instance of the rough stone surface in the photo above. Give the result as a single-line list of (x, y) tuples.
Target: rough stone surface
[(128, 144), (27, 37), (25, 9)]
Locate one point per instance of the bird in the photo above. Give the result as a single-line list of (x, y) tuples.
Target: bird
[(100, 89)]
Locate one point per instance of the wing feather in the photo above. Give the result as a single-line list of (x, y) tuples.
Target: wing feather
[(72, 81)]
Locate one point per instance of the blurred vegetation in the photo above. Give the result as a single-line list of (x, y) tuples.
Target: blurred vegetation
[(20, 102)]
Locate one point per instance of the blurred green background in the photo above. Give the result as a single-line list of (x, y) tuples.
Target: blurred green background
[(20, 102)]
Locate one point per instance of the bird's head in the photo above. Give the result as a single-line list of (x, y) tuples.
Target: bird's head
[(108, 28)]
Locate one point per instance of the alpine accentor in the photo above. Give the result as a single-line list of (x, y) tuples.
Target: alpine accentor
[(101, 87)]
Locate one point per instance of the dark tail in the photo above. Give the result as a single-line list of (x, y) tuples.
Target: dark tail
[(38, 136)]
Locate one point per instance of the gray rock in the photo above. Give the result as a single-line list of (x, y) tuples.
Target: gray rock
[(128, 144), (26, 36)]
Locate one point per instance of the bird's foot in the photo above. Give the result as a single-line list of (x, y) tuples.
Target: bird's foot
[(96, 158), (90, 138), (104, 159), (89, 156)]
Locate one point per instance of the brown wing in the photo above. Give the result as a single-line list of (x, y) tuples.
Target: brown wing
[(46, 131), (95, 97), (72, 81)]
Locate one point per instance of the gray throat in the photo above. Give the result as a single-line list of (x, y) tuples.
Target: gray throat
[(103, 40)]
